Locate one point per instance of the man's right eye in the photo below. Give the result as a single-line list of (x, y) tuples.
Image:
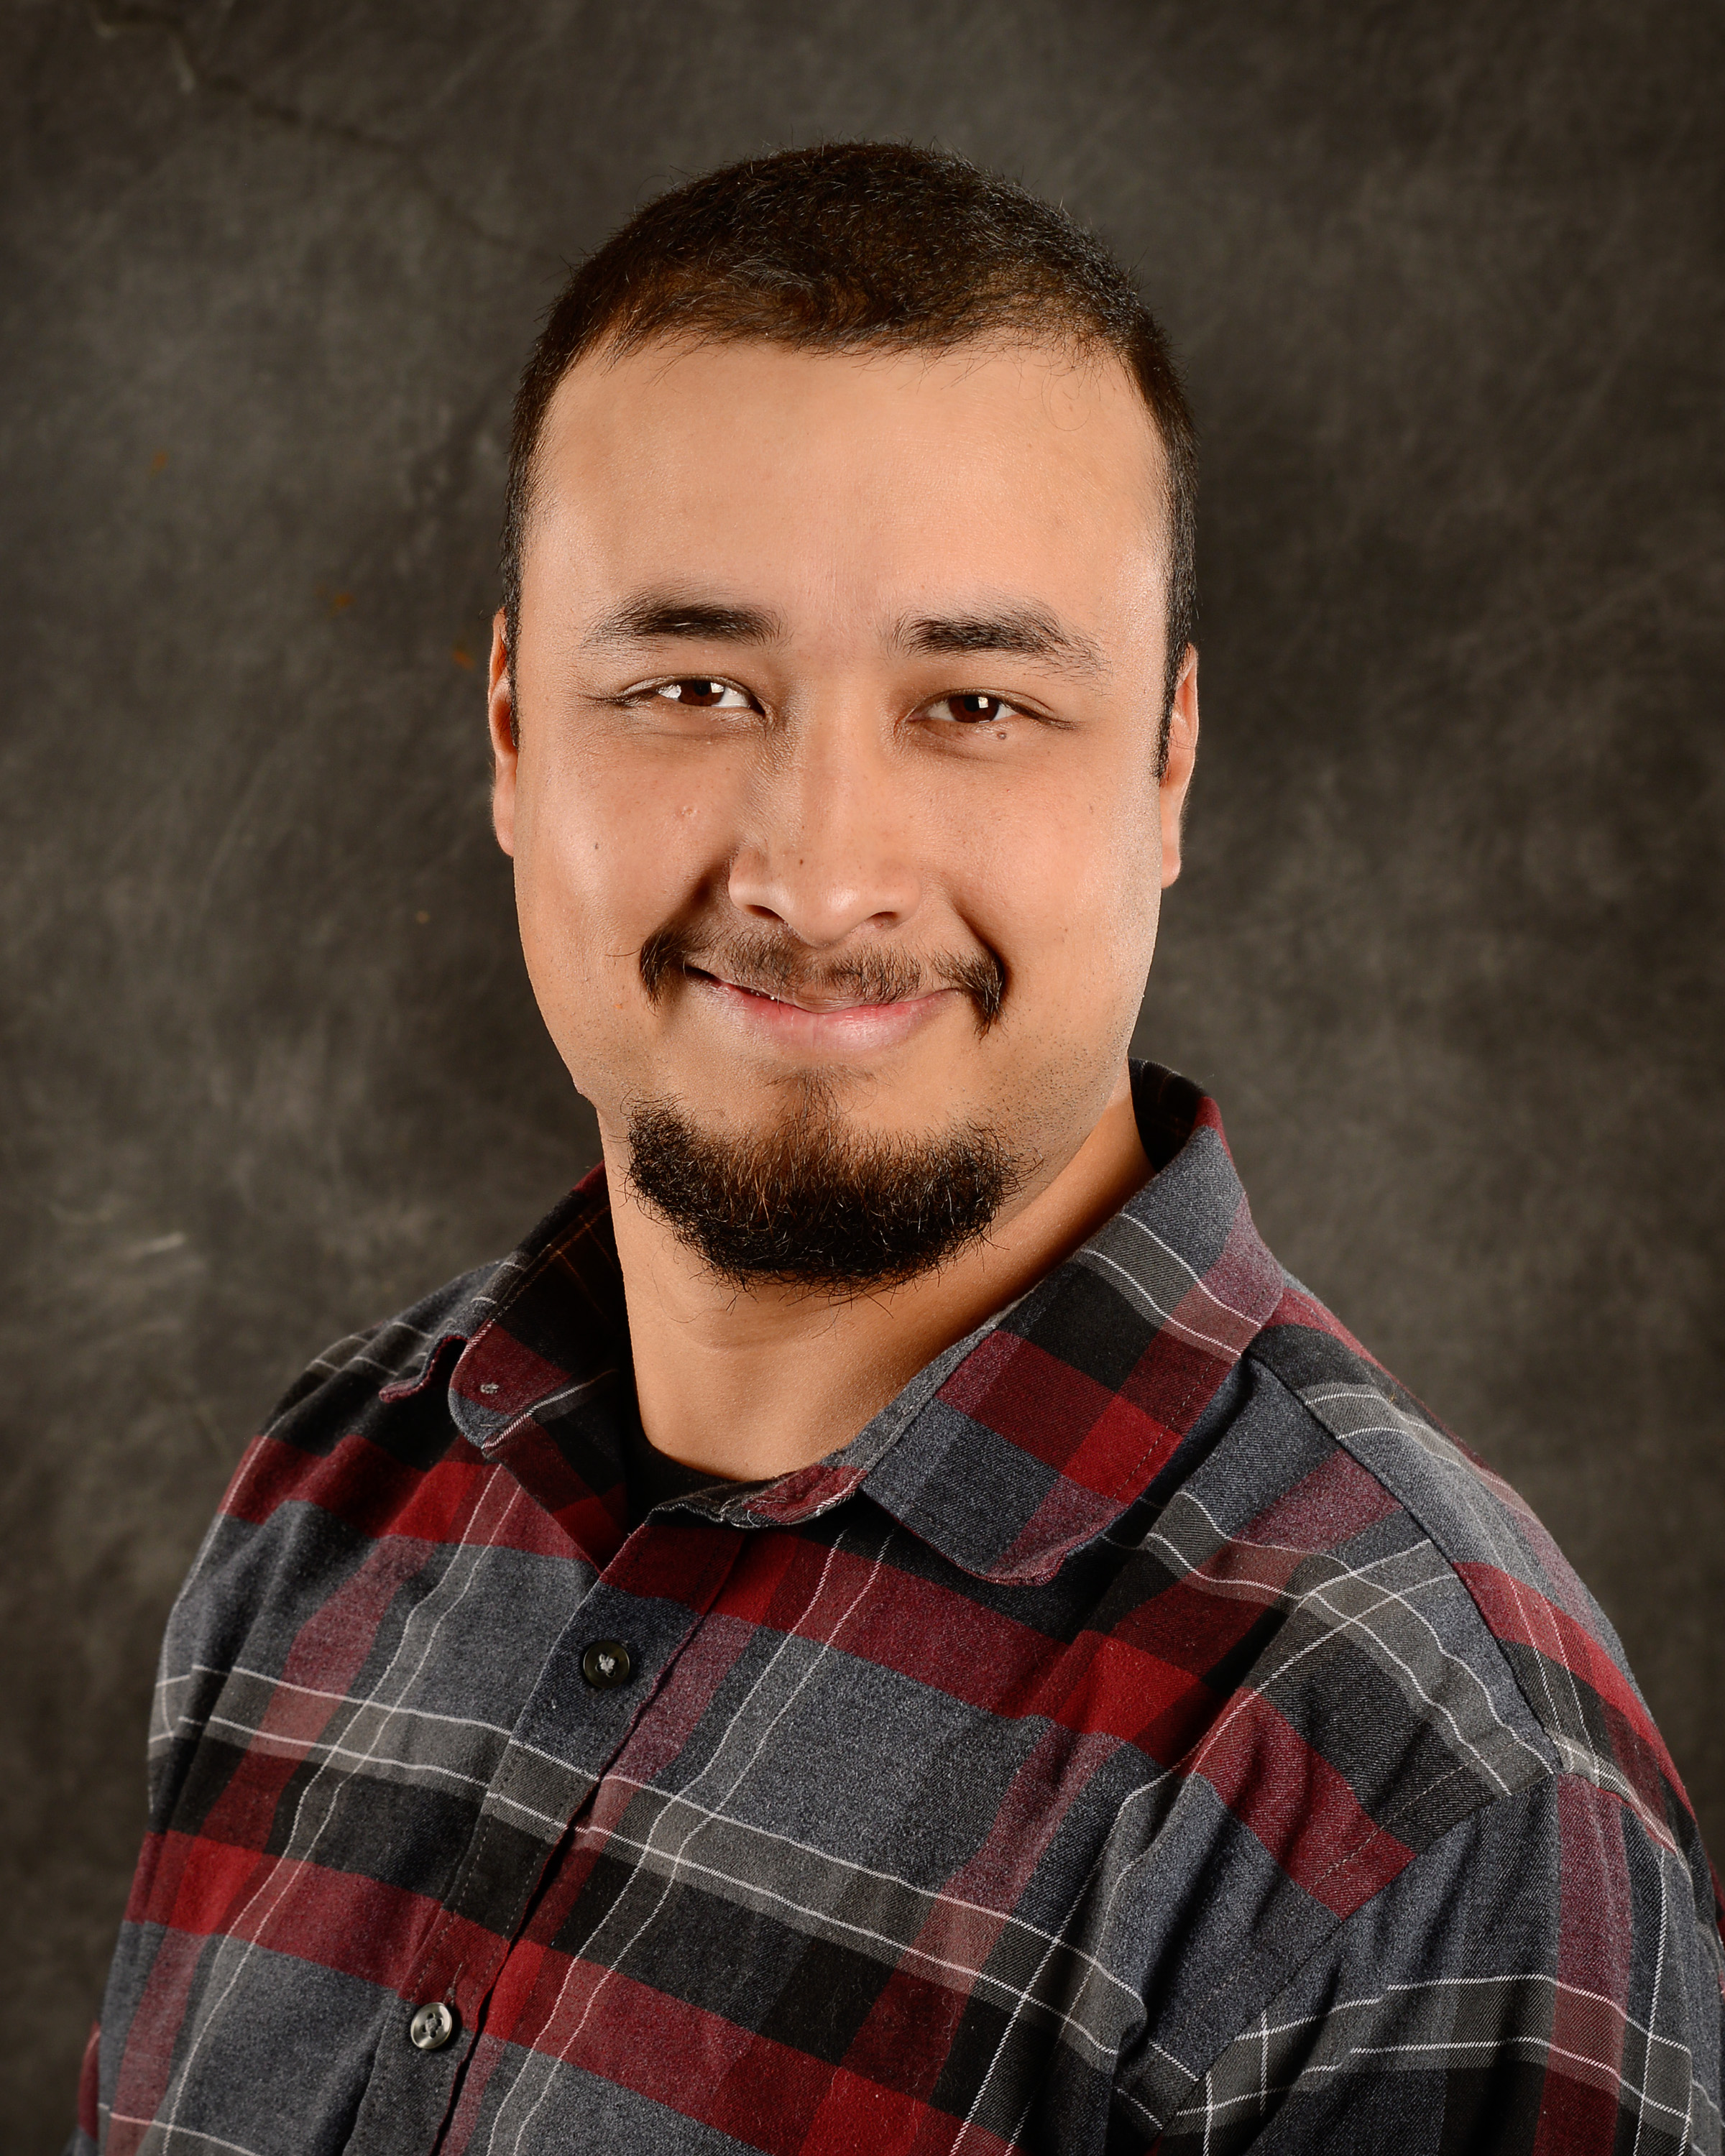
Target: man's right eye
[(700, 694)]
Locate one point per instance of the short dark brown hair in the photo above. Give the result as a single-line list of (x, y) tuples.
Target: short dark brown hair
[(852, 246)]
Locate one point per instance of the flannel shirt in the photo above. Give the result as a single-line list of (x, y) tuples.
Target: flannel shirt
[(1152, 1731)]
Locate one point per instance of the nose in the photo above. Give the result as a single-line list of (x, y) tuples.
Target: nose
[(829, 850)]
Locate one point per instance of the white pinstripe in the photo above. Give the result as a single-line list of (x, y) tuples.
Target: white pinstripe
[(578, 1958), (278, 1876)]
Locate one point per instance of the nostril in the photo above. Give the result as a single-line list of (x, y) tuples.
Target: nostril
[(822, 893)]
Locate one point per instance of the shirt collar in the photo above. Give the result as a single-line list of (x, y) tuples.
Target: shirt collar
[(1011, 1449)]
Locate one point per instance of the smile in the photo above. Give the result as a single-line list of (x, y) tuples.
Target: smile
[(811, 1023)]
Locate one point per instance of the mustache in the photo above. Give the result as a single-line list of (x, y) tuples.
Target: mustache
[(775, 965)]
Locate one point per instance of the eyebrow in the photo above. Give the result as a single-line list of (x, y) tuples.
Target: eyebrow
[(655, 616), (1016, 632)]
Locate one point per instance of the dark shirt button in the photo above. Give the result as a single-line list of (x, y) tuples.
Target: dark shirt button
[(607, 1663), (432, 2026)]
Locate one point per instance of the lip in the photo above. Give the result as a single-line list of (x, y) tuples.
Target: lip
[(849, 1030)]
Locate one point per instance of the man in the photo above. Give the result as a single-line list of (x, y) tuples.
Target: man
[(889, 1624)]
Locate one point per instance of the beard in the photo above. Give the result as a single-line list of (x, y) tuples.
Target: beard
[(812, 1205)]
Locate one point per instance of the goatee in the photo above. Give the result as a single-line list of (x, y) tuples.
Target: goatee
[(814, 1205)]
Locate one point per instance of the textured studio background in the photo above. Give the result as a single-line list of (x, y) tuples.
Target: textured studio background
[(1447, 279)]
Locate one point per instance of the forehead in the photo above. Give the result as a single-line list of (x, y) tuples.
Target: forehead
[(850, 474)]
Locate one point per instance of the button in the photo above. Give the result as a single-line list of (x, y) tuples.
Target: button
[(606, 1664), (432, 2026)]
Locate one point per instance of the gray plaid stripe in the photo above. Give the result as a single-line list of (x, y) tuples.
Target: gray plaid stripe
[(1385, 1606), (965, 1945), (1220, 1827), (1278, 2058), (1481, 1531)]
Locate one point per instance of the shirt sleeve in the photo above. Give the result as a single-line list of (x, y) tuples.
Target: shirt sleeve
[(1546, 1977), (86, 2133)]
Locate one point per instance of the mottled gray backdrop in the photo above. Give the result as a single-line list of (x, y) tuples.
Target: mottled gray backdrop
[(1446, 278)]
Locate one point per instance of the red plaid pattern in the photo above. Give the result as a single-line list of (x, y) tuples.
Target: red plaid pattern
[(1153, 1731)]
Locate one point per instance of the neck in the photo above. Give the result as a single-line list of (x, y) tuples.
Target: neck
[(754, 1384)]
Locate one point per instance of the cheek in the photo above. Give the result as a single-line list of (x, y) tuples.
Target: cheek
[(604, 854), (1068, 890)]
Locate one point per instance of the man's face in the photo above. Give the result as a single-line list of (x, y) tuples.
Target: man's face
[(834, 774)]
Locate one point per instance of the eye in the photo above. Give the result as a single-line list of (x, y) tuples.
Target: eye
[(696, 692), (974, 709)]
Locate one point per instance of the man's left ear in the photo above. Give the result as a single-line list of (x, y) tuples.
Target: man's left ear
[(505, 747), (1177, 765)]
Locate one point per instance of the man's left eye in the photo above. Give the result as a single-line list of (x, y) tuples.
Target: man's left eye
[(701, 695), (977, 710)]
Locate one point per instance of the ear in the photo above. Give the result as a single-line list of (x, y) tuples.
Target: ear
[(1177, 769), (505, 747)]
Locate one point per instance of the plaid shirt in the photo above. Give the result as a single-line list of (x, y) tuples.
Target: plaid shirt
[(1152, 1731)]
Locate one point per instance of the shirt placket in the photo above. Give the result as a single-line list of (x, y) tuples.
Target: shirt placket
[(587, 1702)]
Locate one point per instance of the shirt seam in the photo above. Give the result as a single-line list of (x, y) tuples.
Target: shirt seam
[(1555, 1762), (1552, 1769), (1555, 1774)]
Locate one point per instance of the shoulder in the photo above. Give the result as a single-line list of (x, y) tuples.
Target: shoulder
[(387, 1357), (1548, 1639), (361, 1382), (359, 1481), (345, 1384), (1423, 1720), (337, 1456), (1536, 1979), (362, 1445)]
